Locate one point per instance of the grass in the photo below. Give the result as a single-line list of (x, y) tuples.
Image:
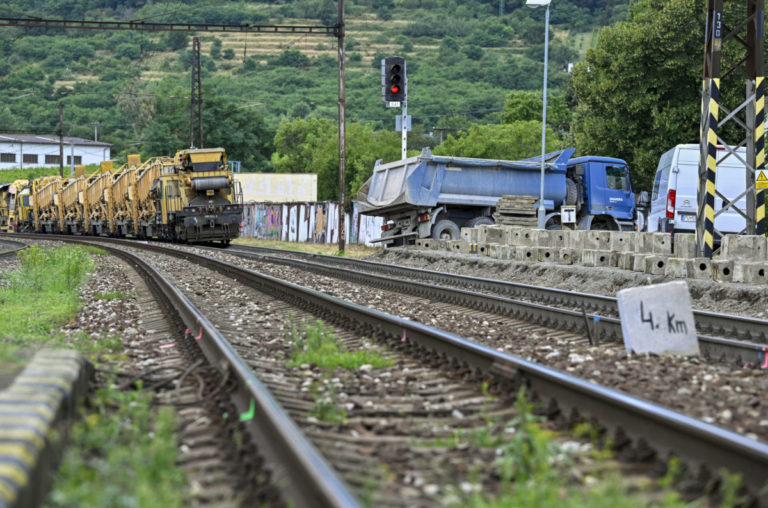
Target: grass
[(121, 454), (40, 296), (317, 344), (351, 250), (533, 473)]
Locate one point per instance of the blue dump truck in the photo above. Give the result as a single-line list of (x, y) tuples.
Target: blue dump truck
[(433, 196)]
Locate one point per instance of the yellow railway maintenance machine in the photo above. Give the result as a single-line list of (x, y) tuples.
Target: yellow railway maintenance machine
[(197, 198)]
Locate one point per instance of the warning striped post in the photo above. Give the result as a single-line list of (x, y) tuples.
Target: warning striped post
[(760, 155), (709, 197)]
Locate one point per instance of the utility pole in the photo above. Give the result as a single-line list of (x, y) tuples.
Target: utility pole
[(342, 125), (61, 139), (196, 97), (748, 33), (95, 131)]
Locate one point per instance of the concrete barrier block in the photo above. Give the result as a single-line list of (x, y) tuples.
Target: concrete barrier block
[(643, 244), (677, 267), (565, 256), (662, 243), (481, 232), (546, 254), (626, 260), (523, 237), (655, 265), (750, 248), (513, 234), (577, 239), (560, 239), (525, 253), (592, 257), (750, 273), (419, 243), (470, 234), (639, 262), (540, 238), (621, 241), (494, 234), (429, 243), (597, 240), (684, 245), (722, 270), (442, 244), (496, 251), (699, 268)]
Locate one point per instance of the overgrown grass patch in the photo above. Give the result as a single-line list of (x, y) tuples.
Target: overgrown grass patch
[(317, 344), (534, 472), (39, 296), (121, 453)]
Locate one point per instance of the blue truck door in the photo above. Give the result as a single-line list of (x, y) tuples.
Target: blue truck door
[(611, 190)]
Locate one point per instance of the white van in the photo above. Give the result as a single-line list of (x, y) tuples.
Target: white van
[(673, 201)]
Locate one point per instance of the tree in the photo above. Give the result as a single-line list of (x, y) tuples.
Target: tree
[(523, 105), (241, 131), (216, 48), (638, 93), (513, 141), (311, 146)]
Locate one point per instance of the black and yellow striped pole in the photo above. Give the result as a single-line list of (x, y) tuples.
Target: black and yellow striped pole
[(710, 108), (705, 226), (760, 155)]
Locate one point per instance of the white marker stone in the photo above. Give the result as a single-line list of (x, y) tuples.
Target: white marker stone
[(658, 319)]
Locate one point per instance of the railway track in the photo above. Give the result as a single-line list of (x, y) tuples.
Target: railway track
[(698, 443), (739, 340)]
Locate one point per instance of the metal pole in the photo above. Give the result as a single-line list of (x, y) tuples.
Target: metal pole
[(61, 139), (542, 212), (72, 159), (403, 126), (342, 125)]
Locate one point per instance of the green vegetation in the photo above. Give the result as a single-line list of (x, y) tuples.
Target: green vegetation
[(531, 476), (39, 296), (317, 344), (121, 454), (325, 408), (463, 59)]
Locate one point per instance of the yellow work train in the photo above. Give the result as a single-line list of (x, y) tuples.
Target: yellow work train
[(191, 197)]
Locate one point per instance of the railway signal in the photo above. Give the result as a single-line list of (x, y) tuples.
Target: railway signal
[(393, 79)]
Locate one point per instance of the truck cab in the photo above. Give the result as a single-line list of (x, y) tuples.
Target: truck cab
[(606, 200)]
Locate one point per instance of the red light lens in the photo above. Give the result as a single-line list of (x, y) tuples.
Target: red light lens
[(394, 89)]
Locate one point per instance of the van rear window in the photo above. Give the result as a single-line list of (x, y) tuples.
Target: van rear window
[(662, 174)]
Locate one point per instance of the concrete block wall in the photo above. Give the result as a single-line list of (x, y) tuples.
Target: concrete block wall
[(743, 258)]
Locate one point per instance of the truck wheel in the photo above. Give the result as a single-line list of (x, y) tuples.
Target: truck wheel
[(446, 230), (478, 221), (571, 192)]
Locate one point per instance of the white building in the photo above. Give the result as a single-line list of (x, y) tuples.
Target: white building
[(19, 151)]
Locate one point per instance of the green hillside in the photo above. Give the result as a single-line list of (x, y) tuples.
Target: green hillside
[(463, 57)]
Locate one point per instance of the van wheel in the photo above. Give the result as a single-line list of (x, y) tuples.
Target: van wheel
[(478, 221), (446, 230)]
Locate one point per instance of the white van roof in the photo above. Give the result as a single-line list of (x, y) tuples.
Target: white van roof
[(689, 154)]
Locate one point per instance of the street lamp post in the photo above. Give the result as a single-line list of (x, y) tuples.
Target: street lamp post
[(543, 3)]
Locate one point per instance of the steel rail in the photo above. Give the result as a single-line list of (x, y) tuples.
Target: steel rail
[(598, 328), (14, 251), (697, 443), (707, 323), (302, 474)]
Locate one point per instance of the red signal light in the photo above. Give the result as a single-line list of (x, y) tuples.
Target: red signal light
[(394, 89)]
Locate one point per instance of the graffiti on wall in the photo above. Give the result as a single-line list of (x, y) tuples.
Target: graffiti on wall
[(307, 222)]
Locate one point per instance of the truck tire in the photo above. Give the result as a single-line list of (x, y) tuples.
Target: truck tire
[(571, 192), (445, 230), (478, 221)]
